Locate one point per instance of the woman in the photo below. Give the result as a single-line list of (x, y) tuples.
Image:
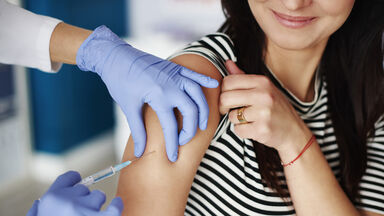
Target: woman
[(301, 132)]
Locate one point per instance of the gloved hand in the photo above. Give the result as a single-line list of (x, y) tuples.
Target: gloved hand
[(65, 198), (134, 77)]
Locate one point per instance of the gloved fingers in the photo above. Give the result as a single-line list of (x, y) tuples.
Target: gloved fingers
[(190, 115), (136, 124), (201, 79), (94, 200), (169, 124), (197, 95), (114, 209), (77, 190), (67, 179), (33, 210)]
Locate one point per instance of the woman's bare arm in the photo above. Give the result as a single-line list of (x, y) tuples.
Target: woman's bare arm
[(154, 185)]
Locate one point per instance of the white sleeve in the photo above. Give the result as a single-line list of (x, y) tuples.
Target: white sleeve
[(25, 38)]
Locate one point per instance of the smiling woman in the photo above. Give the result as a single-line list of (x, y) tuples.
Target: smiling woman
[(307, 92)]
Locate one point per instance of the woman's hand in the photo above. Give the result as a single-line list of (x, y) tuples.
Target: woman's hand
[(270, 118)]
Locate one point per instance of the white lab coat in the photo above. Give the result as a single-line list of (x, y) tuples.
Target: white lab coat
[(25, 38)]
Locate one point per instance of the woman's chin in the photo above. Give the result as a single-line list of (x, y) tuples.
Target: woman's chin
[(294, 42)]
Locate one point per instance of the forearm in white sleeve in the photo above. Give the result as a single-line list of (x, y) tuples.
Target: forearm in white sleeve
[(25, 38)]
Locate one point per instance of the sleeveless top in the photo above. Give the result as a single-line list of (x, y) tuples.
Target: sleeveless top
[(228, 181)]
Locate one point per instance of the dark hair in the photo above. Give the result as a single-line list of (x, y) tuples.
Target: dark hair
[(352, 64)]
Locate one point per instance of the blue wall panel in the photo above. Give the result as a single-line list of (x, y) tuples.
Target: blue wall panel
[(72, 106)]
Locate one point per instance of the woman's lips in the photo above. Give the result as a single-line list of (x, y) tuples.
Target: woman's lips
[(293, 21)]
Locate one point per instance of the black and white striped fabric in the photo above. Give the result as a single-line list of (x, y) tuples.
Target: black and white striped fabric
[(228, 181)]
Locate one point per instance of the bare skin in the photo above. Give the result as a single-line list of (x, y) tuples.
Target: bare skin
[(65, 41), (154, 185)]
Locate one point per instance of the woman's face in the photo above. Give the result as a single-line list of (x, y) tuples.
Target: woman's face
[(300, 24)]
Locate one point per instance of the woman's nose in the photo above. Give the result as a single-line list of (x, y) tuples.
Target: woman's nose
[(296, 4)]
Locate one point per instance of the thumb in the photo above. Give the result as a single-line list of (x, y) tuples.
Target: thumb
[(232, 68), (33, 210)]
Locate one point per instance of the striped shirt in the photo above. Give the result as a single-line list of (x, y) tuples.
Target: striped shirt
[(228, 180)]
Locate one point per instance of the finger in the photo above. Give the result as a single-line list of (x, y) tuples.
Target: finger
[(67, 179), (169, 124), (232, 68), (115, 208), (234, 118), (77, 190), (136, 124), (93, 200), (245, 81), (238, 98), (198, 97), (189, 111), (251, 114), (245, 97), (33, 210), (201, 79), (254, 131), (243, 130)]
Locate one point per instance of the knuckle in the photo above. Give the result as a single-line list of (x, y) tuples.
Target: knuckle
[(224, 82), (264, 80), (268, 98), (229, 80), (188, 107), (266, 114)]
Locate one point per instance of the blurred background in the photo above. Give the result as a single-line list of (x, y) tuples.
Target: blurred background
[(51, 123)]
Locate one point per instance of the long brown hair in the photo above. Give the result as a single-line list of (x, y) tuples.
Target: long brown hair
[(353, 68)]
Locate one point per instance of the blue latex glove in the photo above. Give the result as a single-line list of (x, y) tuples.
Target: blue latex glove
[(134, 77), (65, 198)]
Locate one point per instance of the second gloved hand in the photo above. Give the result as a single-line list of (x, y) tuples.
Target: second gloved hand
[(134, 77), (65, 198)]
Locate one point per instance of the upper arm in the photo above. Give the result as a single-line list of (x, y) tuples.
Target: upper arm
[(369, 213), (153, 185)]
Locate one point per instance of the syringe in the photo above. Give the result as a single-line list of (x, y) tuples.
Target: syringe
[(106, 173)]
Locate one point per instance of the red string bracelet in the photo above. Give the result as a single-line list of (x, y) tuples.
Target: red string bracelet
[(309, 143)]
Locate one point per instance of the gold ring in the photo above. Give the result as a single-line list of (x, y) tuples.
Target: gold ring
[(240, 116)]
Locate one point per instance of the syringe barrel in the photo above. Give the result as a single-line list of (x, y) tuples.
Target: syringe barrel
[(105, 173)]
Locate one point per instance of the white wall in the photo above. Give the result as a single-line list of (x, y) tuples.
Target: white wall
[(186, 19)]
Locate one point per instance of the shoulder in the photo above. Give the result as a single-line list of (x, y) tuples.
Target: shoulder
[(215, 48)]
